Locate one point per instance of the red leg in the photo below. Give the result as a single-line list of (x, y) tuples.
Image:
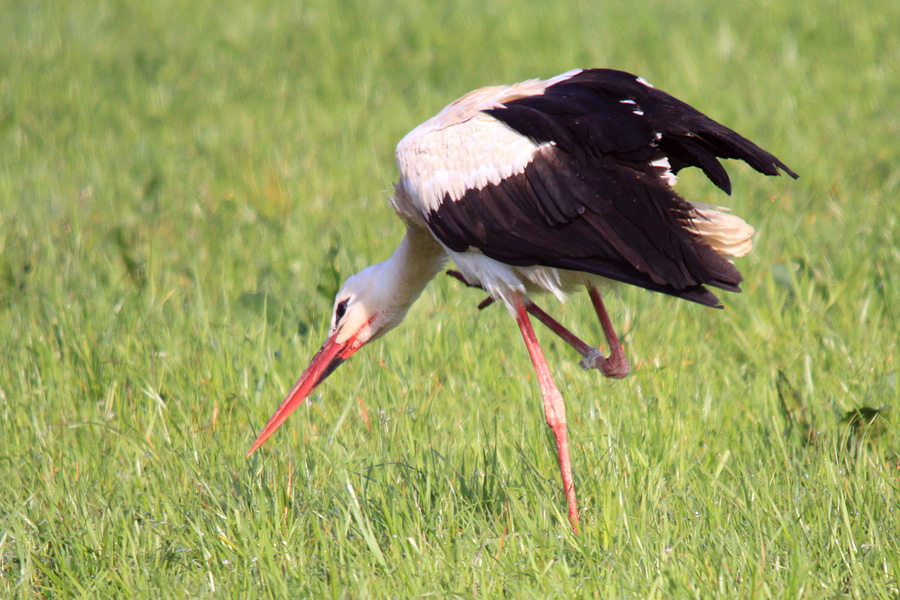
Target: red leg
[(559, 329), (616, 365), (592, 357), (554, 408)]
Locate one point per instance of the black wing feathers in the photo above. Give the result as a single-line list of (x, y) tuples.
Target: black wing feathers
[(591, 201), (593, 112)]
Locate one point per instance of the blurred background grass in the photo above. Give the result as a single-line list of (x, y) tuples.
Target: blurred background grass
[(183, 187)]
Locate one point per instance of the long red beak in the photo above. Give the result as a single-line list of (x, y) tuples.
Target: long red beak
[(327, 359)]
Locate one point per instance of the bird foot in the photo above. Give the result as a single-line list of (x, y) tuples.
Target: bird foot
[(614, 367), (592, 360)]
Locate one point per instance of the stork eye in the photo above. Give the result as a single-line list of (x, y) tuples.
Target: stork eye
[(339, 311)]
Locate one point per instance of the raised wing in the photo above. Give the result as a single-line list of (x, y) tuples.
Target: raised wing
[(576, 173)]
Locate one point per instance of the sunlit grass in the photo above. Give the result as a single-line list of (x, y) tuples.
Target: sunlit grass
[(183, 186)]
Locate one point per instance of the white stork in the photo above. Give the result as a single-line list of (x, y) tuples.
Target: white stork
[(547, 186)]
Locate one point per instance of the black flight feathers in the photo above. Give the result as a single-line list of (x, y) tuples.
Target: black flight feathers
[(591, 201), (606, 112)]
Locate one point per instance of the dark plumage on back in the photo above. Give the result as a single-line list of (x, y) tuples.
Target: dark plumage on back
[(595, 197)]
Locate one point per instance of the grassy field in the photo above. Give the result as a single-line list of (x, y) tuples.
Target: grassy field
[(183, 187)]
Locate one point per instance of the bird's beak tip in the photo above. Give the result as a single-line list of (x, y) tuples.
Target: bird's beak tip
[(327, 359)]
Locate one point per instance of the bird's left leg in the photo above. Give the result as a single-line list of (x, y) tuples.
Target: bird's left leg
[(457, 275), (554, 407)]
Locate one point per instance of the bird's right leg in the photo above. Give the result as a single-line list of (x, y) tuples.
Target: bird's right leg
[(616, 364), (554, 407), (592, 358)]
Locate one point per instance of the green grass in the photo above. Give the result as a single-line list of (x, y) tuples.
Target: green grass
[(183, 186)]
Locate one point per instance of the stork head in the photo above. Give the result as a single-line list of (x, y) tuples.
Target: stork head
[(370, 304)]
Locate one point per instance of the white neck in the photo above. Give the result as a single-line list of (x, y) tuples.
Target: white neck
[(384, 292), (413, 264)]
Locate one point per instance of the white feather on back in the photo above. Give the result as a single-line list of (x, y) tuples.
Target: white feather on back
[(463, 148)]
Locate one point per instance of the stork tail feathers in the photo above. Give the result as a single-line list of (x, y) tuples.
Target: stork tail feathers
[(727, 234)]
